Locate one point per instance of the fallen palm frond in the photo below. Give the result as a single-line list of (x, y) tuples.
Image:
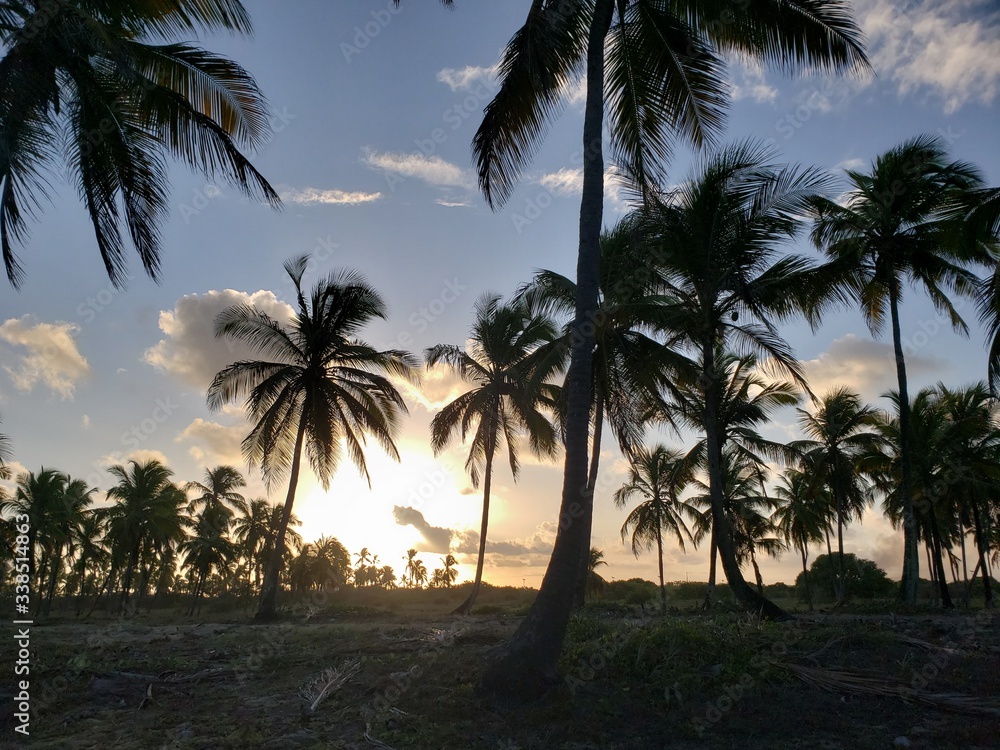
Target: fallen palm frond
[(860, 684), (927, 645), (372, 740), (317, 690)]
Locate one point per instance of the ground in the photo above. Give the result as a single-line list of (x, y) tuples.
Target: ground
[(634, 680)]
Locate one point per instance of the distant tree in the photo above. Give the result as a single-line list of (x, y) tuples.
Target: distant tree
[(865, 580), (595, 582)]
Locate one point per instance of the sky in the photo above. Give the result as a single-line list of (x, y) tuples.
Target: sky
[(373, 112)]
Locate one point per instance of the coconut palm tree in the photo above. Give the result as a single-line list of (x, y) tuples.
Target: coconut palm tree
[(630, 365), (512, 352), (6, 453), (147, 518), (251, 530), (841, 432), (218, 494), (658, 68), (67, 517), (897, 225), (108, 90), (660, 475), (208, 549), (419, 574), (448, 572), (321, 390), (411, 558), (801, 514)]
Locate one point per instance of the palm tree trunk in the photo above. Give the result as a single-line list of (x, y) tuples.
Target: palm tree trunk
[(269, 594), (841, 588), (714, 555), (527, 665), (756, 572), (465, 607), (804, 550), (588, 517), (659, 555), (127, 579), (911, 552), (744, 594), (938, 552), (53, 578), (931, 572), (982, 545)]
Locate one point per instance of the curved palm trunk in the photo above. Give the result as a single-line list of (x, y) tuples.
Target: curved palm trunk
[(712, 571), (526, 667), (743, 592), (911, 552), (982, 545), (465, 607), (756, 572), (588, 516), (269, 593)]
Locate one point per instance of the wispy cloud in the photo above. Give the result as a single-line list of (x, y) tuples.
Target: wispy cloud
[(467, 78), (310, 196), (44, 353), (431, 169), (569, 181), (949, 49), (752, 85)]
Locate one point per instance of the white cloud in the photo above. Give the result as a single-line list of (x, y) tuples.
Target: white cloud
[(214, 444), (438, 387), (948, 48), (45, 353), (85, 422), (189, 350), (430, 169), (467, 78), (452, 204), (310, 196), (851, 164), (568, 181), (753, 85)]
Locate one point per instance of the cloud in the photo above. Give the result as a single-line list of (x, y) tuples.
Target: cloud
[(45, 353), (851, 164), (867, 367), (431, 169), (568, 181), (753, 85), (214, 443), (438, 387), (189, 350), (527, 551), (947, 48), (467, 78), (85, 422), (438, 539), (141, 455), (452, 204), (315, 196)]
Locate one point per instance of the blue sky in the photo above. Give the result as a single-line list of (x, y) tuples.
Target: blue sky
[(374, 110)]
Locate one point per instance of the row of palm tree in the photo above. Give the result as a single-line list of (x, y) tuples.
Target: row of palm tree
[(159, 537)]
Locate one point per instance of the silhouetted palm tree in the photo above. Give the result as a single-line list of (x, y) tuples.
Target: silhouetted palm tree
[(322, 388), (897, 225), (660, 475), (802, 513), (510, 356), (87, 88)]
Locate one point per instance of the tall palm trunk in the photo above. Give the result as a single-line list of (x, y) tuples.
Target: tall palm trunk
[(712, 570), (744, 594), (911, 552), (588, 516), (841, 587), (659, 555), (269, 593), (133, 560), (527, 665), (938, 562), (53, 578), (465, 607)]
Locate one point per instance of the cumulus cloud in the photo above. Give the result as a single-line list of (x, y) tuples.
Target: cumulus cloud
[(310, 196), (866, 366), (439, 386), (947, 48), (533, 550), (467, 78), (752, 85), (85, 422), (189, 350), (43, 353), (438, 539), (431, 169), (213, 443), (140, 455), (568, 181)]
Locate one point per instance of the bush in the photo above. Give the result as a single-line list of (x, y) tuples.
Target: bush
[(864, 579)]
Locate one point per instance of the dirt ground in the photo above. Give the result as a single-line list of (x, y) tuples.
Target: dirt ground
[(633, 680)]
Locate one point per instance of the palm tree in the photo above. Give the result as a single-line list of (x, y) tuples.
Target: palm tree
[(419, 573), (714, 241), (801, 515), (145, 519), (86, 87), (6, 452), (841, 432), (510, 355), (595, 559), (897, 225), (660, 71), (411, 558), (251, 531), (218, 494), (630, 366), (323, 389), (208, 549), (660, 475), (448, 572)]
